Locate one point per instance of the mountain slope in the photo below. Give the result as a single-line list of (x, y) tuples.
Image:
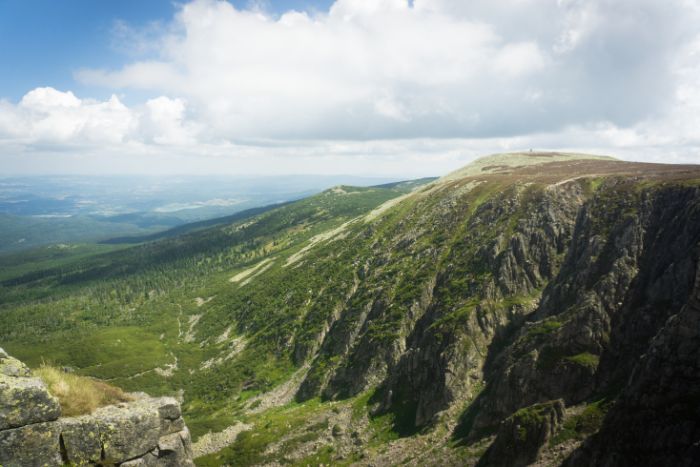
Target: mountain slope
[(511, 304)]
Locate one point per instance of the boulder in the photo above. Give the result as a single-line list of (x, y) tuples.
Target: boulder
[(150, 459), (127, 431), (10, 366), (32, 445), (168, 407), (144, 432), (176, 450), (23, 400), (81, 439), (170, 415)]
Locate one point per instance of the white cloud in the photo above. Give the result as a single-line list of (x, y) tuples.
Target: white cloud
[(329, 75), (430, 68), (165, 121), (45, 115), (380, 82)]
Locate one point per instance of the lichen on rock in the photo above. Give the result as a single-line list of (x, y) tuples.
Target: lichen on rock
[(144, 432)]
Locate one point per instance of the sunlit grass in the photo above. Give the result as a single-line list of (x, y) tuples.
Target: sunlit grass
[(79, 395)]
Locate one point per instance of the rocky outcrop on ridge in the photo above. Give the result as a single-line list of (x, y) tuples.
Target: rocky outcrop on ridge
[(521, 436), (556, 281), (145, 432)]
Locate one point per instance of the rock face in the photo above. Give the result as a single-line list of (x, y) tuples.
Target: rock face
[(522, 435), (145, 432), (656, 420), (574, 282), (631, 266), (23, 400)]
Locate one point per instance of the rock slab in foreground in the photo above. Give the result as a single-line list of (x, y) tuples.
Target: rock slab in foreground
[(145, 432), (23, 400)]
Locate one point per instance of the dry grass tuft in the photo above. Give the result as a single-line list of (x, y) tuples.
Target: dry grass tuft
[(79, 395)]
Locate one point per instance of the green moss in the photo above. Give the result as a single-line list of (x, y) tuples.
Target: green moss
[(584, 359), (458, 316), (532, 414), (591, 419), (360, 404), (529, 418), (595, 183), (584, 424), (543, 328), (324, 456), (550, 356)]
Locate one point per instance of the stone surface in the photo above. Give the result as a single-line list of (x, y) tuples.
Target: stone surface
[(32, 445), (170, 442), (171, 426), (630, 266), (24, 400), (10, 366), (521, 436), (128, 430), (168, 408), (145, 432), (656, 420), (150, 459), (81, 439), (187, 442)]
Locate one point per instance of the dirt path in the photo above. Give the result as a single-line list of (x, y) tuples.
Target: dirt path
[(214, 442), (251, 271), (281, 395)]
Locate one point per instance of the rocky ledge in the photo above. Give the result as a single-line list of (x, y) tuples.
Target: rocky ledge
[(521, 437), (144, 432)]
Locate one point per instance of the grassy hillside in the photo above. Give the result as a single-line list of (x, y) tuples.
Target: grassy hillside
[(137, 307)]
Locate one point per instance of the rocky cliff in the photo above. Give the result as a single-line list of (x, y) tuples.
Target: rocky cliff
[(537, 308), (145, 432), (515, 285)]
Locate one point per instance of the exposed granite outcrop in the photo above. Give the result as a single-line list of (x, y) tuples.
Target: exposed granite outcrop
[(521, 436), (553, 291), (434, 339), (656, 420), (144, 432), (630, 266), (23, 400), (447, 349)]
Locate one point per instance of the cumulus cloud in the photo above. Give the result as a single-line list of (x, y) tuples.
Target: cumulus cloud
[(47, 116), (369, 77), (427, 68), (366, 69), (164, 120)]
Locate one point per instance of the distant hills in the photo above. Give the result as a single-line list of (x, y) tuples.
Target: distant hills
[(37, 211)]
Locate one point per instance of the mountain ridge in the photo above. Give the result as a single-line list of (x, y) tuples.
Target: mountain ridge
[(521, 297)]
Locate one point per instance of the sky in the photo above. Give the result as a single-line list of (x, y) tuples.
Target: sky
[(363, 87)]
